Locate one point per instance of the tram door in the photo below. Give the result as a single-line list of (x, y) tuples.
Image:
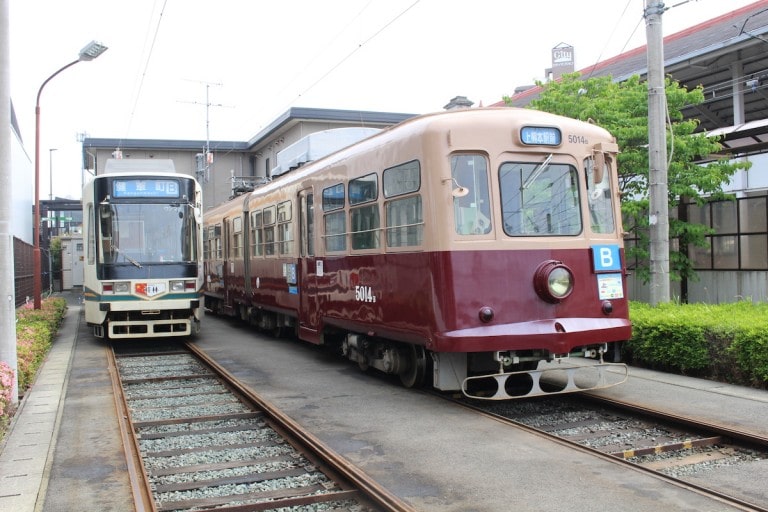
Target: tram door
[(309, 267), (229, 266)]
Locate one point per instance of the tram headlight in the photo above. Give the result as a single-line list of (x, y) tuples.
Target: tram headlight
[(560, 282), (553, 281), (116, 287), (179, 286)]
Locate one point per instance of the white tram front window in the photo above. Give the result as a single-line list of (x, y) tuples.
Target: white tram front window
[(539, 198), (471, 201), (147, 233), (599, 197)]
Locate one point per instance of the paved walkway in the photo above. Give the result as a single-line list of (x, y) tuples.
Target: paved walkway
[(27, 451)]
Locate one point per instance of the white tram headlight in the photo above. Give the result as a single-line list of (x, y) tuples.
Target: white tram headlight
[(177, 286), (122, 287), (553, 281), (560, 282)]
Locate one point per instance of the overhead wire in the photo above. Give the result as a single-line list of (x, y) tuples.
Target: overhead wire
[(143, 73), (346, 57)]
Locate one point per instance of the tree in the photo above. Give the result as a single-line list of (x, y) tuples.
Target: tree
[(622, 109)]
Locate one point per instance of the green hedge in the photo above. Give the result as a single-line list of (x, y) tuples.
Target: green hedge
[(727, 342), (35, 331)]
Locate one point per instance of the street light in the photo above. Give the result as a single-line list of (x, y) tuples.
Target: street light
[(50, 172), (89, 52)]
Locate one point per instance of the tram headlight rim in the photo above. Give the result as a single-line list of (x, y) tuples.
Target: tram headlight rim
[(553, 281)]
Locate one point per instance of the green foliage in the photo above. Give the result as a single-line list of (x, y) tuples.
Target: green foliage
[(726, 342), (35, 330), (622, 109)]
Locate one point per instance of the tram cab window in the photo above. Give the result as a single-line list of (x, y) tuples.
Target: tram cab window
[(471, 211), (599, 196), (539, 199)]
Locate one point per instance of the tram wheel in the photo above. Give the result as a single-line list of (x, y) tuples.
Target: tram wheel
[(416, 367)]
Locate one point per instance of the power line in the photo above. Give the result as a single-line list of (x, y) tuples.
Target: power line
[(143, 73)]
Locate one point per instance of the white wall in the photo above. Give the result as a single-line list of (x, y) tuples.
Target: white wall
[(23, 186)]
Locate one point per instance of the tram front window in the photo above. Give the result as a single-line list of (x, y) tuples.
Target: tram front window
[(539, 199), (147, 233)]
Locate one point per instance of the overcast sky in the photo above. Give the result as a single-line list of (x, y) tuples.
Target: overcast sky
[(255, 59)]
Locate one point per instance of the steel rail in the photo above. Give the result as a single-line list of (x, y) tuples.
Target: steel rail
[(376, 493), (732, 433), (698, 489), (142, 495)]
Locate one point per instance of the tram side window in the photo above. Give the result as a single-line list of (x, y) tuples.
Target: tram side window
[(210, 247), (539, 199), (91, 236), (404, 216), (335, 223), (333, 198), (335, 232), (206, 251), (310, 224), (257, 242), (364, 220), (405, 222), (237, 237), (599, 197), (471, 212), (268, 218), (217, 248), (284, 227)]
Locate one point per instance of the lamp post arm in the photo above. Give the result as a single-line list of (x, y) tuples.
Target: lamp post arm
[(36, 260), (40, 91)]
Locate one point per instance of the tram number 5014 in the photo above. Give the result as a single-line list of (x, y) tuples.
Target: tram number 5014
[(364, 294)]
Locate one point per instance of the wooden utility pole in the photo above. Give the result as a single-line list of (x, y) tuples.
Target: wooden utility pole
[(658, 214)]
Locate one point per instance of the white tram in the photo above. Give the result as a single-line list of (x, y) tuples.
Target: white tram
[(143, 268)]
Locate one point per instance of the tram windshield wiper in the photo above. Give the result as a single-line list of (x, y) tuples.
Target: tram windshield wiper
[(118, 251), (537, 171)]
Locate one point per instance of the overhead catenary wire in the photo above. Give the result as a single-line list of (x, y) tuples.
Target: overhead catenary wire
[(143, 73), (347, 56)]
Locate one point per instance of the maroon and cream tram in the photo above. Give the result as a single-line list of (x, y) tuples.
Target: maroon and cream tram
[(453, 249)]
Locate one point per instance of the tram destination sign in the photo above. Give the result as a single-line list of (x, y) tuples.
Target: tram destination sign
[(540, 135), (134, 187)]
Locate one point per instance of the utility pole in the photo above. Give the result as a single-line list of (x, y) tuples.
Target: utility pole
[(658, 214), (204, 174), (7, 292)]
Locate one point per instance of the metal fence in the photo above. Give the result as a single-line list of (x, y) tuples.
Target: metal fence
[(24, 271)]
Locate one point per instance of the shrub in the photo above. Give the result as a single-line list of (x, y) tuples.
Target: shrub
[(724, 342), (35, 330), (6, 383)]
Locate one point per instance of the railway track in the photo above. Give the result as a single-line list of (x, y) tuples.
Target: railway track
[(673, 448), (196, 439)]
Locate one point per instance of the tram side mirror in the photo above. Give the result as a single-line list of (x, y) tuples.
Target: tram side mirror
[(598, 167), (459, 191)]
